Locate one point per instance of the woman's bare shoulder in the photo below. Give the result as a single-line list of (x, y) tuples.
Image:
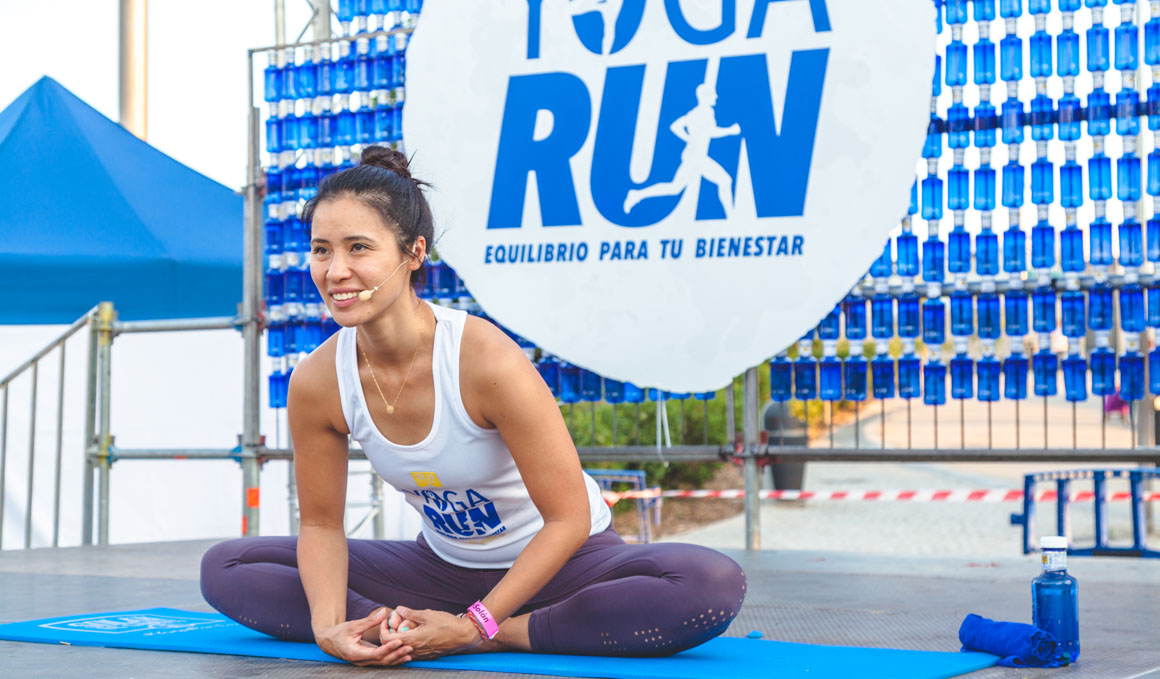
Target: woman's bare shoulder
[(487, 354), (481, 335)]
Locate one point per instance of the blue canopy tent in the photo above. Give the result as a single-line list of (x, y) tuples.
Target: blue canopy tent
[(91, 213)]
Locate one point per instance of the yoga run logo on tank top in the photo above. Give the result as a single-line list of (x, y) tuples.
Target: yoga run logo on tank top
[(466, 515), (667, 191)]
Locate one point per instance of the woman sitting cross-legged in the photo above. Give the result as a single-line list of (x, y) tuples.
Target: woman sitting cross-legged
[(517, 551)]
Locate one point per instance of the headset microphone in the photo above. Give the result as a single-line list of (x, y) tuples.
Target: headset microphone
[(365, 295)]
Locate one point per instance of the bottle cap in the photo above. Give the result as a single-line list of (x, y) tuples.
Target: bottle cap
[(1053, 542)]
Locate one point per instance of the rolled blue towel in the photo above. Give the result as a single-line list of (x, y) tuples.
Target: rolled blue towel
[(1019, 644)]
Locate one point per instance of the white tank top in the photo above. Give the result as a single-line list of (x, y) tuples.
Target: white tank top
[(461, 478)]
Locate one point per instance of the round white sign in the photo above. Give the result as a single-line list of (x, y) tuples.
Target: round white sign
[(666, 192)]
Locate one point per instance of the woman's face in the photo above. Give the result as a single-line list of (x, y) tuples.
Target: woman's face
[(352, 250)]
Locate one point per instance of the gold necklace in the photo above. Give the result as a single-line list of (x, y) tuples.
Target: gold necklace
[(391, 408)]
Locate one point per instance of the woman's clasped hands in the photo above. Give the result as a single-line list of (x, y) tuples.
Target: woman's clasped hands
[(404, 635), (430, 634), (348, 641)]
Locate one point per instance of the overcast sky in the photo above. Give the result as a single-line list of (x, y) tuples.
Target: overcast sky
[(197, 74)]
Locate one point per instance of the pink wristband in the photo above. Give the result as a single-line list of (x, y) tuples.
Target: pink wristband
[(483, 616)]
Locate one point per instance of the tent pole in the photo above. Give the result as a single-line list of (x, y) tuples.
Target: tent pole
[(280, 22), (252, 329), (134, 66)]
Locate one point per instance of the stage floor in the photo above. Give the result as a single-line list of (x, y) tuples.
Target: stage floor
[(810, 597)]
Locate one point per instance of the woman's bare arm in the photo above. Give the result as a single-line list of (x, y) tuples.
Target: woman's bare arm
[(320, 467), (514, 398)]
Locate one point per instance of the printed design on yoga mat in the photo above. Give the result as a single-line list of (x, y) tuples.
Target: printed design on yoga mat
[(125, 624)]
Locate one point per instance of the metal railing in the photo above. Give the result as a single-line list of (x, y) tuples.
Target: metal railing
[(961, 442), (98, 441), (33, 365)]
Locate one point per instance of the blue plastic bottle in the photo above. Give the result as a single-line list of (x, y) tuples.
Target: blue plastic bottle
[(934, 388), (591, 386), (614, 391), (909, 380), (1103, 367), (854, 373), (882, 317), (1131, 367), (1015, 376), (1045, 366), (831, 378), (987, 370), (1054, 606), (278, 389), (805, 369), (962, 376), (882, 374), (569, 382), (780, 378), (1075, 377)]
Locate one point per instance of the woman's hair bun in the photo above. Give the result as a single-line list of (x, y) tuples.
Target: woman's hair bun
[(386, 158)]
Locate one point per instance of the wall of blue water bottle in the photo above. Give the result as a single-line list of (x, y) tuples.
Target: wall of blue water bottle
[(324, 103), (992, 285)]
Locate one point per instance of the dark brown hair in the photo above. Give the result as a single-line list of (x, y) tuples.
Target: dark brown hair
[(382, 180)]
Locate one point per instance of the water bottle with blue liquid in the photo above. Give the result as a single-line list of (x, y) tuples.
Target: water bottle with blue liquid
[(549, 368), (988, 369), (275, 332), (384, 118), (882, 371), (344, 68), (591, 386), (934, 387), (805, 370), (780, 378), (1054, 601), (569, 382), (364, 118), (830, 367), (613, 391), (855, 370), (1045, 368), (909, 371), (277, 385), (854, 373), (962, 370), (347, 9)]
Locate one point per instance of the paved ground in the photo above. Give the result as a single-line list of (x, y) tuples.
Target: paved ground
[(837, 598), (982, 531), (848, 573)]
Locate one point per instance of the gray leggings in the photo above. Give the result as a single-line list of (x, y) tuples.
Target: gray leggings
[(610, 598)]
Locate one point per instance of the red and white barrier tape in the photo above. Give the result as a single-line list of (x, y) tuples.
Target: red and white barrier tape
[(612, 497)]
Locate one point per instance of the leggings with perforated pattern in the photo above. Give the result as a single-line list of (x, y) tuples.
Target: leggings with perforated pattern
[(610, 598)]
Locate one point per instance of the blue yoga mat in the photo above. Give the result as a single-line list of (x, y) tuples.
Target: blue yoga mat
[(169, 629)]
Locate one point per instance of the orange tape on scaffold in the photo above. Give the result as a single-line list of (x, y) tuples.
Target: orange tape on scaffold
[(990, 495)]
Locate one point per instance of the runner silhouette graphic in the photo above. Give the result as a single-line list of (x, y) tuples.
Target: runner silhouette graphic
[(696, 128)]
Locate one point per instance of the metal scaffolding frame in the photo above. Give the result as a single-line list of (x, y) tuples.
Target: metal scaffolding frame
[(751, 449)]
